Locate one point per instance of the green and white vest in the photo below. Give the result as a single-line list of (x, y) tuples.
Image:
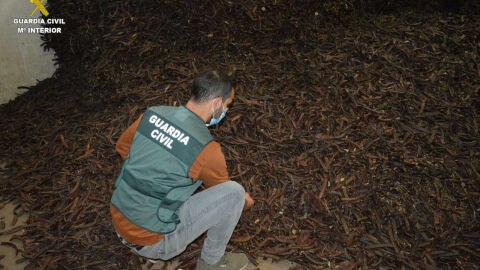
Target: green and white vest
[(154, 181)]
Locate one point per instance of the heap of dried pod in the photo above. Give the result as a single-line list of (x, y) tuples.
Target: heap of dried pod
[(357, 133)]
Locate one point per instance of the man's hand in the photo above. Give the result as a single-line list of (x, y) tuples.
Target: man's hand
[(248, 201)]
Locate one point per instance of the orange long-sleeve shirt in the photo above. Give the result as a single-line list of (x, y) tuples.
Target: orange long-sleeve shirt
[(209, 166)]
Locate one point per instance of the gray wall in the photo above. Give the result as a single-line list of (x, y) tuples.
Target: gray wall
[(22, 60)]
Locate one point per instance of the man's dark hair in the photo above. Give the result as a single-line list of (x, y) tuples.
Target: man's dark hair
[(211, 84)]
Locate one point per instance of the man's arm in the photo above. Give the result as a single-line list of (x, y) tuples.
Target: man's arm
[(211, 167), (126, 139)]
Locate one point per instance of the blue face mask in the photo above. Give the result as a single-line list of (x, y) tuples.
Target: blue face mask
[(214, 120)]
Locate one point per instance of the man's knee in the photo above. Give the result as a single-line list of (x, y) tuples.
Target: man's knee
[(235, 188)]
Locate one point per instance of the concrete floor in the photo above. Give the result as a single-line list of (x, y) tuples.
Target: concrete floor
[(263, 265), (9, 256)]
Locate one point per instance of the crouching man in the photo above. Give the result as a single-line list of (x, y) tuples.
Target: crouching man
[(168, 153)]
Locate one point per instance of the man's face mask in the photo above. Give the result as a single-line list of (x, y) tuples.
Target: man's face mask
[(214, 120)]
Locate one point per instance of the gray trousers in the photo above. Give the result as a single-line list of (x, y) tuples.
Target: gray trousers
[(215, 210)]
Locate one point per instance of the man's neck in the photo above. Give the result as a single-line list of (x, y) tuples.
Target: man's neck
[(202, 110)]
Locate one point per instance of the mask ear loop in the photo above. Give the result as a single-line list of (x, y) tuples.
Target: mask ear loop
[(213, 110)]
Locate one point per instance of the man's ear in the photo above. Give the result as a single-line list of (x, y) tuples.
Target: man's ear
[(217, 101)]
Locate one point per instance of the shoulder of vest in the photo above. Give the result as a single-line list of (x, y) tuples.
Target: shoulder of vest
[(185, 120)]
